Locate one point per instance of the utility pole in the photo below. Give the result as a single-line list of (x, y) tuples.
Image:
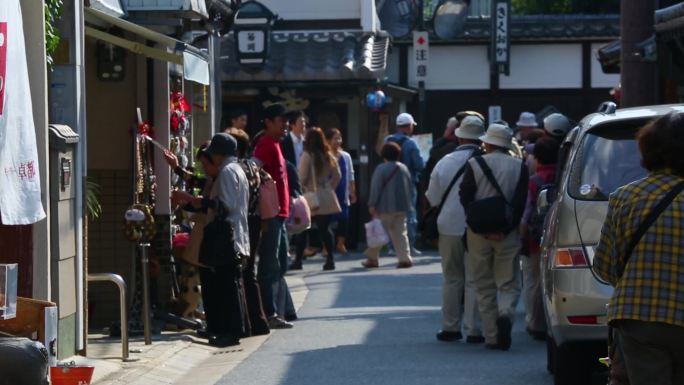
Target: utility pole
[(639, 79)]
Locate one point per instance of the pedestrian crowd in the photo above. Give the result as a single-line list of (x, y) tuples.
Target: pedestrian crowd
[(256, 197), (476, 197), (293, 185)]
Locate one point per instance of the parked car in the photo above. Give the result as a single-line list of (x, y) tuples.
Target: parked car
[(597, 157)]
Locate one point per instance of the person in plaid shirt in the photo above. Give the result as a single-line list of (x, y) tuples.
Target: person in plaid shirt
[(647, 307)]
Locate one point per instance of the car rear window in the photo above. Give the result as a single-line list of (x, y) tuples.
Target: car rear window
[(608, 158)]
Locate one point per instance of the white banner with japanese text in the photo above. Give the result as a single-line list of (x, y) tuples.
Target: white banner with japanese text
[(20, 202)]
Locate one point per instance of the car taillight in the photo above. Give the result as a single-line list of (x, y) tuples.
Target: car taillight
[(570, 258), (583, 319)]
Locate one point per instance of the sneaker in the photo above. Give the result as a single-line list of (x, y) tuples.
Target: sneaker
[(415, 251), (475, 339), (404, 265), (276, 322), (503, 335), (448, 336)]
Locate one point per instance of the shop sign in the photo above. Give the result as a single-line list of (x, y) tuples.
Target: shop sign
[(421, 55), (501, 44)]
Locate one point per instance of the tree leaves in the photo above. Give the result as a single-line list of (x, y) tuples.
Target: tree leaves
[(53, 11)]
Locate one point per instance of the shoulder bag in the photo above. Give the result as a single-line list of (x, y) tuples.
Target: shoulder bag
[(218, 242), (269, 205), (321, 201), (428, 227), (618, 370), (490, 215)]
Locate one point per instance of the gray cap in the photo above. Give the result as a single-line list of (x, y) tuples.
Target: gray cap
[(498, 135), (471, 127), (221, 144), (556, 125)]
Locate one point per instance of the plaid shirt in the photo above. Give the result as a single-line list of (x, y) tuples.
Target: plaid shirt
[(651, 288)]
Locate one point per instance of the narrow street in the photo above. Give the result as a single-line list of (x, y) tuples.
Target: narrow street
[(378, 326)]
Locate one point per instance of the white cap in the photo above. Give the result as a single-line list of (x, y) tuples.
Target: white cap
[(471, 127), (404, 119), (498, 135), (556, 125)]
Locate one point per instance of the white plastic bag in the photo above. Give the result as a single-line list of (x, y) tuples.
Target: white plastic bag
[(376, 235), (300, 216)]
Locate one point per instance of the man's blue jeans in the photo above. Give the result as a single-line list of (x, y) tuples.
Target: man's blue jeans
[(272, 262)]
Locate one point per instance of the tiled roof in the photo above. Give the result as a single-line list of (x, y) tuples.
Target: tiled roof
[(535, 27), (313, 55), (670, 20)]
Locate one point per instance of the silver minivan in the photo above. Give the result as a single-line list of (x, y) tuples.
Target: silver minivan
[(597, 157)]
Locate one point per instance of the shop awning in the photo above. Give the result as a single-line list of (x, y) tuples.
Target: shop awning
[(313, 56), (195, 62)]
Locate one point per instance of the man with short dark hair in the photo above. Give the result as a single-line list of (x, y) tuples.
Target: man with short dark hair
[(238, 119), (274, 244), (293, 143), (492, 258)]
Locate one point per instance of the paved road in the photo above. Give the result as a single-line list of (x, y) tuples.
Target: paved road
[(377, 327)]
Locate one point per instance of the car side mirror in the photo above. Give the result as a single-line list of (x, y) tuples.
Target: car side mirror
[(543, 201)]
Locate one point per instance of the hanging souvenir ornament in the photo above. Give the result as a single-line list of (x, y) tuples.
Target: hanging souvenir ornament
[(375, 100)]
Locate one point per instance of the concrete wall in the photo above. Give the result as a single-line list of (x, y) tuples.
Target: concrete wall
[(111, 119)]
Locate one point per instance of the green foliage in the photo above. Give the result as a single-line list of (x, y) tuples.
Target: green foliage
[(93, 205), (540, 7), (53, 10)]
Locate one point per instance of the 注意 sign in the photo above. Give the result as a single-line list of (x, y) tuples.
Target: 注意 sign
[(421, 51), (501, 45), (20, 198)]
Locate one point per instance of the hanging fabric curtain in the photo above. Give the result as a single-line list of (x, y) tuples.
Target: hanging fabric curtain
[(20, 202)]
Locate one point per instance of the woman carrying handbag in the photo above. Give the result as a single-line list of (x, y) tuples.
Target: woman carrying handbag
[(319, 174)]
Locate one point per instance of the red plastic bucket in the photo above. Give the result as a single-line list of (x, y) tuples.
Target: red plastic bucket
[(71, 375)]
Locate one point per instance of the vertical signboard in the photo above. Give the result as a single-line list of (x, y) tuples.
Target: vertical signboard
[(421, 54), (501, 44)]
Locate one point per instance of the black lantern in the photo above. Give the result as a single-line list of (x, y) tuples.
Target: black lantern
[(252, 33)]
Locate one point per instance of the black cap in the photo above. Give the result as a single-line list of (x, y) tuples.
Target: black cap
[(274, 110), (221, 144)]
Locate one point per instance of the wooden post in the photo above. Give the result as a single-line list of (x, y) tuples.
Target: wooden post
[(639, 79)]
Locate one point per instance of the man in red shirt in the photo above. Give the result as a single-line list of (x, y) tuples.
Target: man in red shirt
[(273, 246)]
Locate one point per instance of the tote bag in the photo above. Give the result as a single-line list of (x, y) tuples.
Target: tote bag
[(300, 216)]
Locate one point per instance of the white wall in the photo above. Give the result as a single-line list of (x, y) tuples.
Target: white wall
[(544, 66), (454, 68), (315, 9), (598, 78)]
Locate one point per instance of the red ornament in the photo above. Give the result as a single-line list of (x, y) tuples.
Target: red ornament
[(146, 129)]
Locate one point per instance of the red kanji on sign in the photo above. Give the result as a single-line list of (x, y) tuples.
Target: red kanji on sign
[(3, 63), (421, 40)]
